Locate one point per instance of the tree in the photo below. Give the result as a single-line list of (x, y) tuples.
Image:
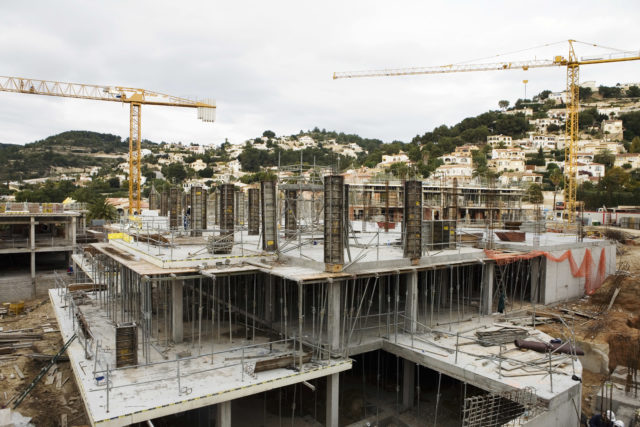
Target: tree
[(174, 172), (605, 157), (553, 128), (114, 182), (556, 178), (610, 92), (584, 93), (615, 179), (544, 95), (480, 164), (401, 170), (268, 134), (504, 104), (633, 92), (631, 124), (205, 173), (534, 194), (635, 145), (101, 209)]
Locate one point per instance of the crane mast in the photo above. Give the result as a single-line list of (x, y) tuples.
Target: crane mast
[(133, 96), (573, 102)]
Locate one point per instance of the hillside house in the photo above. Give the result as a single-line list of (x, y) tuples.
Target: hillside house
[(612, 130), (497, 140), (628, 158)]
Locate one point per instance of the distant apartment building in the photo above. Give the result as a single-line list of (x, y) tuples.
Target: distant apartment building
[(543, 123), (463, 173), (520, 178), (457, 158), (596, 146), (466, 148), (546, 142), (507, 159), (591, 170), (198, 165), (608, 110), (585, 158), (628, 158), (497, 140), (526, 111), (558, 97), (389, 159), (612, 130)]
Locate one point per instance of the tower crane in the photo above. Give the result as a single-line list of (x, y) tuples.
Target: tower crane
[(572, 62), (136, 98)]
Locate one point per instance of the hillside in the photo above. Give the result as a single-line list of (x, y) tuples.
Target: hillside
[(72, 149)]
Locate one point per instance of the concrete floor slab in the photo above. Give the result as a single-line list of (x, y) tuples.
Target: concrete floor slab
[(145, 392)]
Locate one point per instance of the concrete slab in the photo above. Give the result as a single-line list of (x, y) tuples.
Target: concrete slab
[(141, 393)]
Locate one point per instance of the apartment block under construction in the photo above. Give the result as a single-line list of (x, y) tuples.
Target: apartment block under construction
[(312, 302)]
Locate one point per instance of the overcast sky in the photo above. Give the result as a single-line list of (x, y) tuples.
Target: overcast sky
[(269, 64)]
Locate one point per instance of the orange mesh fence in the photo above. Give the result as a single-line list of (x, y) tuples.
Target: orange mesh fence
[(592, 280)]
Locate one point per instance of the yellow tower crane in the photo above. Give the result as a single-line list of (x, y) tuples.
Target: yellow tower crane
[(136, 98), (573, 66)]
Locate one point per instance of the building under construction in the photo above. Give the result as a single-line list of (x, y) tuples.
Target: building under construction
[(319, 303)]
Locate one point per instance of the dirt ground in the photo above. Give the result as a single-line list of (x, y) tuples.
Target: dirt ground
[(45, 404), (619, 327)]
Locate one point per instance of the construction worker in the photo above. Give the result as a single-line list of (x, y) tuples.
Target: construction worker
[(608, 419)]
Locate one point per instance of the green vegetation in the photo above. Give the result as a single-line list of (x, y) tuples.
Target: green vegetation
[(631, 124), (100, 209), (68, 150), (252, 159), (610, 92)]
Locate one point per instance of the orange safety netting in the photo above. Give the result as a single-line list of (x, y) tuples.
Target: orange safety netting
[(591, 283)]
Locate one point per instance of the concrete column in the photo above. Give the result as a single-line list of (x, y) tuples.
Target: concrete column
[(177, 325), (333, 394), (333, 316), (223, 414), (269, 299), (32, 246), (408, 383), (411, 306), (487, 287), (32, 233), (72, 236), (33, 271), (535, 280)]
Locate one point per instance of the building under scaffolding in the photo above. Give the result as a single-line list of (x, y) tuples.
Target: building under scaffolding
[(341, 304)]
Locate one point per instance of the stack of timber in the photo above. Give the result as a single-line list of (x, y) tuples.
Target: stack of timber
[(499, 335)]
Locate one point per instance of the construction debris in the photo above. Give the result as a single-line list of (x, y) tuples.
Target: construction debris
[(542, 347), (500, 335)]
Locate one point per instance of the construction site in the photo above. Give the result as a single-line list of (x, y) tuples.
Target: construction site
[(306, 300), (319, 303)]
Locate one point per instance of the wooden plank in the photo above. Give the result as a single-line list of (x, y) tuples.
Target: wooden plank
[(577, 313), (279, 362), (87, 287), (613, 298), (18, 371)]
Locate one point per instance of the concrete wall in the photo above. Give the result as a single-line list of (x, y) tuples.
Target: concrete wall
[(565, 410), (18, 286), (559, 283)]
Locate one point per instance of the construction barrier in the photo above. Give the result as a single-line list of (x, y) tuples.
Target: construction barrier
[(586, 269)]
